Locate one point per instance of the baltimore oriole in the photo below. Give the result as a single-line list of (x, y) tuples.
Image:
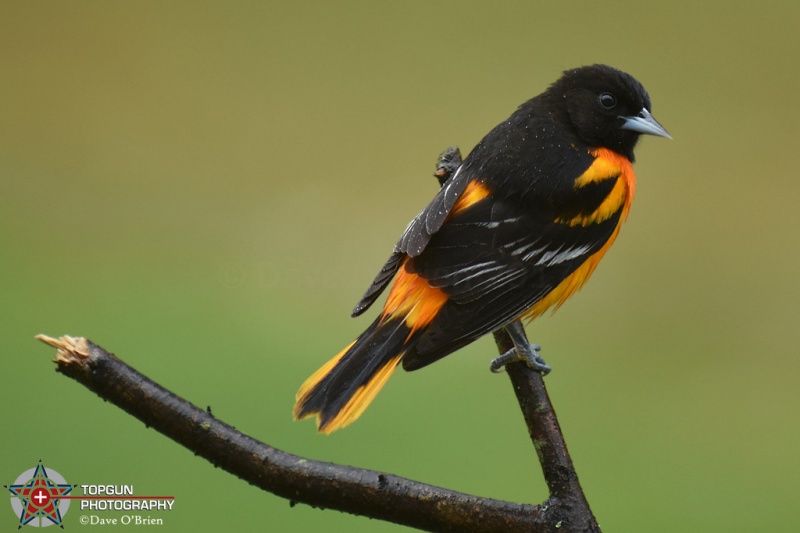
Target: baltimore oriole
[(517, 229)]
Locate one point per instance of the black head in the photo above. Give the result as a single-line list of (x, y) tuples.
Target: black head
[(605, 106)]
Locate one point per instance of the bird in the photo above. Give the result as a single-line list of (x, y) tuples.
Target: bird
[(517, 228)]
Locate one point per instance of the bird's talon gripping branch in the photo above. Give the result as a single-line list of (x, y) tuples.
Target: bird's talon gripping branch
[(523, 351), (534, 359), (498, 364)]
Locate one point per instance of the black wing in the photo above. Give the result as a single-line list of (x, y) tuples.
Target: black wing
[(495, 260)]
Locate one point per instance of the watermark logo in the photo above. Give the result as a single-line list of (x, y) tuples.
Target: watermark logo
[(38, 497)]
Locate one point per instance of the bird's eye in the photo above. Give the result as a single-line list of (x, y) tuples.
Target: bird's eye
[(607, 100)]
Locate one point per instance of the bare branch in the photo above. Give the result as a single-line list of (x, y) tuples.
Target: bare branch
[(316, 483), (567, 504), (353, 490)]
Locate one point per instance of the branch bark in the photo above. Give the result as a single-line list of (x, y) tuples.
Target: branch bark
[(320, 484), (353, 490), (567, 507)]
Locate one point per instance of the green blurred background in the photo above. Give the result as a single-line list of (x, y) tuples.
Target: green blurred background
[(206, 189)]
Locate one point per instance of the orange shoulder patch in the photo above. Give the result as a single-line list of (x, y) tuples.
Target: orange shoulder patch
[(474, 192)]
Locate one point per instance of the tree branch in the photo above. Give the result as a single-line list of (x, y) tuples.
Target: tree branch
[(567, 504), (353, 490), (316, 483)]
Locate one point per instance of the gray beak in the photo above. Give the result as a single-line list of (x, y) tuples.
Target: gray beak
[(644, 123)]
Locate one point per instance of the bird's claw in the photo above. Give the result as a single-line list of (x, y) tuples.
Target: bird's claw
[(527, 353)]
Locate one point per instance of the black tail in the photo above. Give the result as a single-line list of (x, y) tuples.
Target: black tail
[(343, 388)]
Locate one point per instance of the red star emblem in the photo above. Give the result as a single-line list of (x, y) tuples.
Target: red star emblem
[(40, 497)]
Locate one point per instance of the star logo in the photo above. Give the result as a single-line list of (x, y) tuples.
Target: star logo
[(36, 494)]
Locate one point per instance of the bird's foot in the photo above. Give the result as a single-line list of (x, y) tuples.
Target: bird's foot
[(529, 354), (523, 351)]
